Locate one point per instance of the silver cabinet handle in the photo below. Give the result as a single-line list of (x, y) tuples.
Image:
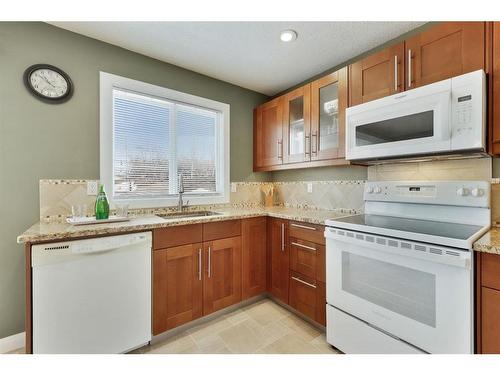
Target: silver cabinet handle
[(282, 236), (199, 264), (279, 149), (314, 141), (304, 246), (307, 145), (209, 262), (409, 68), (395, 73), (304, 282), (302, 226)]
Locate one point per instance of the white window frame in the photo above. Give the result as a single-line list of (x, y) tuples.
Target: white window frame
[(108, 82)]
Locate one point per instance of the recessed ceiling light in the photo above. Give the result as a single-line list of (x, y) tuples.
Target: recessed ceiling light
[(288, 35)]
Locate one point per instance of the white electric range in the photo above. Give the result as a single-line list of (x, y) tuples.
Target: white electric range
[(400, 277)]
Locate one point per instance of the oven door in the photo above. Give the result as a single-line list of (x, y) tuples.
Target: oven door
[(411, 123), (419, 293)]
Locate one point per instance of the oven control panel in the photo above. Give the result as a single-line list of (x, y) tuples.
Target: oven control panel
[(457, 193)]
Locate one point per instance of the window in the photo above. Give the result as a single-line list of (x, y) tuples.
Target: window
[(151, 135)]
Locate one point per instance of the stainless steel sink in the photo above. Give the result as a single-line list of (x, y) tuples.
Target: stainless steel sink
[(181, 215)]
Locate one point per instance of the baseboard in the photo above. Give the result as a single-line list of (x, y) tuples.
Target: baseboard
[(10, 343)]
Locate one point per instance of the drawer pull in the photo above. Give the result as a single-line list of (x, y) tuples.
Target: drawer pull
[(302, 226), (304, 246), (304, 282)]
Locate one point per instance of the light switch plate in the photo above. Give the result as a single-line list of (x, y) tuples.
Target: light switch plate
[(309, 187), (233, 187), (92, 187)]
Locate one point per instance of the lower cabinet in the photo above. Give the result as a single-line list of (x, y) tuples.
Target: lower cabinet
[(222, 279), (278, 258), (174, 305), (488, 303), (253, 256)]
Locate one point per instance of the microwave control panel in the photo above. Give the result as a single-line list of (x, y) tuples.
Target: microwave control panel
[(468, 111)]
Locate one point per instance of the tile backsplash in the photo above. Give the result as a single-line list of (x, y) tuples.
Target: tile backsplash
[(57, 196)]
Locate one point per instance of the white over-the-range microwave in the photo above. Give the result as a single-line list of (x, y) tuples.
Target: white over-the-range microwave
[(442, 118)]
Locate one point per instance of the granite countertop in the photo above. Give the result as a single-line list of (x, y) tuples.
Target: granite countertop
[(490, 242), (61, 231)]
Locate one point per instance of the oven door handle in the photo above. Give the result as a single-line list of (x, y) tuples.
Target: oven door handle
[(422, 251)]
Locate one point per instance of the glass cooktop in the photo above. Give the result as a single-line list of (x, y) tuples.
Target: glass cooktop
[(433, 228)]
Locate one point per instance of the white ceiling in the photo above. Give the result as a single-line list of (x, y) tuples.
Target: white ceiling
[(248, 54)]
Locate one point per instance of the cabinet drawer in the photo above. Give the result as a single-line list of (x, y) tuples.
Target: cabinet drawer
[(490, 270), (303, 294), (176, 236), (304, 257), (308, 232), (221, 229)]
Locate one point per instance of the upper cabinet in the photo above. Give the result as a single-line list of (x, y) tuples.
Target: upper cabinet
[(444, 51), (306, 127), (494, 93), (328, 104), (268, 134), (378, 75), (297, 125)]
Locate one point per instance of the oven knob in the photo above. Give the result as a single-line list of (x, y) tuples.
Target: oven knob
[(369, 189), (463, 192), (476, 192), (377, 190)]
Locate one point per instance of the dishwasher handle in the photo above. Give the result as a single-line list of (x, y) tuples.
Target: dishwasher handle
[(106, 243)]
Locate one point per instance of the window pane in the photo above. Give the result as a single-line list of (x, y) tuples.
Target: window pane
[(141, 126), (196, 148)]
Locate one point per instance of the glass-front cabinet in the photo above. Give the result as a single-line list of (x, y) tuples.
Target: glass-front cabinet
[(297, 129), (328, 104)]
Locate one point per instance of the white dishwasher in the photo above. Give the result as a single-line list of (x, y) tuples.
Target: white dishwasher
[(92, 296)]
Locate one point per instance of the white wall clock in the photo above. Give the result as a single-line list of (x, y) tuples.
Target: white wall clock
[(48, 83)]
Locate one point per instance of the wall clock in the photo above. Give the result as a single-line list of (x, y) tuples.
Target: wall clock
[(48, 83)]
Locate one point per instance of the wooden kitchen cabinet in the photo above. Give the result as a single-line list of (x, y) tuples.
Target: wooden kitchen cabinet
[(487, 303), (278, 258), (446, 50), (378, 75), (297, 125), (268, 134), (307, 296), (494, 92), (490, 320), (329, 97), (177, 286), (253, 256), (222, 278)]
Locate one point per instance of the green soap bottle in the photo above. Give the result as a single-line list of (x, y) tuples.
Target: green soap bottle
[(101, 205)]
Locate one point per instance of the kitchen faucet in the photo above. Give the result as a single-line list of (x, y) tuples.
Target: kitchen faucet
[(180, 206)]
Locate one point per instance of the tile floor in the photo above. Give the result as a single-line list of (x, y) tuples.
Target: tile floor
[(263, 328)]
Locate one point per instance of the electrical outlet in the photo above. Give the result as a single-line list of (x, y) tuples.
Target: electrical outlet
[(309, 187), (233, 187), (92, 187)]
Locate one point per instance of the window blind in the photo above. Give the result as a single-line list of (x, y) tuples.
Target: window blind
[(155, 140)]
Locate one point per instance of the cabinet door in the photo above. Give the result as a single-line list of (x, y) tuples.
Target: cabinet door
[(328, 104), (279, 256), (377, 75), (268, 134), (253, 257), (304, 294), (177, 286), (222, 280), (444, 51), (495, 93), (490, 322), (296, 122)]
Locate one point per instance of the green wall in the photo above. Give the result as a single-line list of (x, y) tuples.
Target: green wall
[(39, 140)]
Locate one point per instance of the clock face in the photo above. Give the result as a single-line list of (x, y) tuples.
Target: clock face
[(48, 83)]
